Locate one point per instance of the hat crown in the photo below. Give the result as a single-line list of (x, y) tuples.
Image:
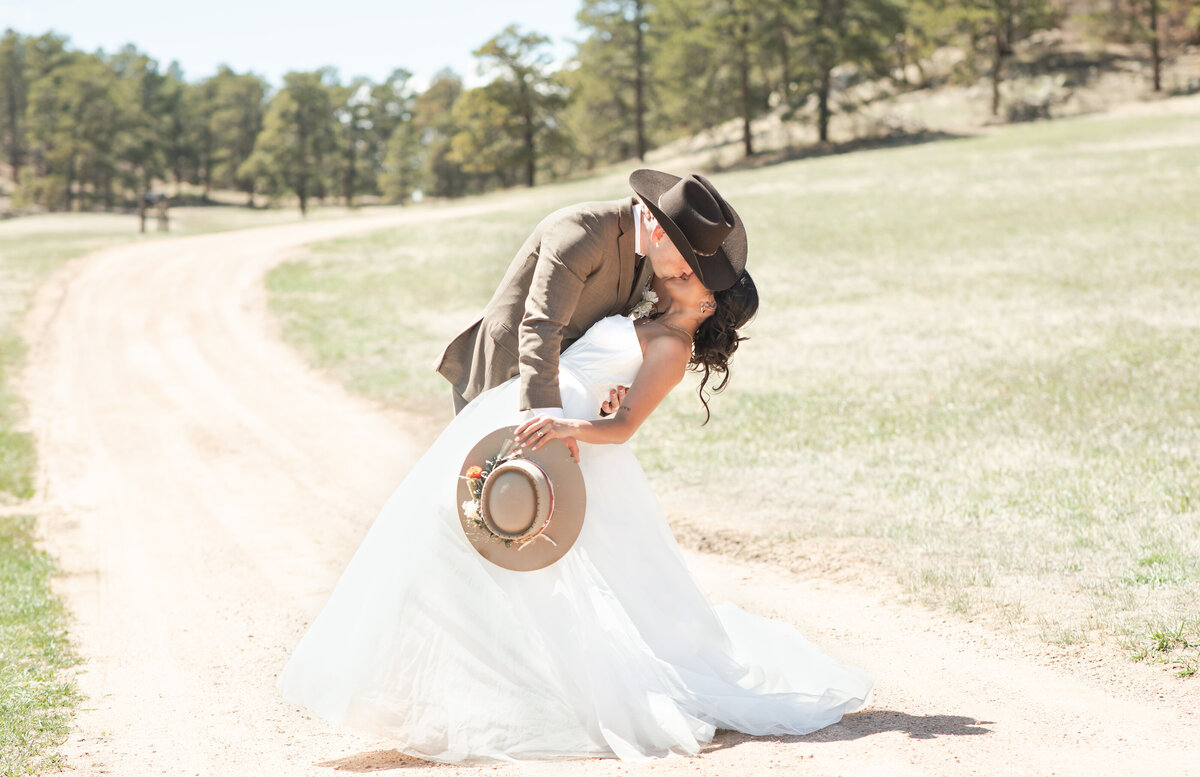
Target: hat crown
[(517, 499), (545, 532), (699, 211)]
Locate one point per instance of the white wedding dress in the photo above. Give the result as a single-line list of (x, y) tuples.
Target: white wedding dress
[(611, 651)]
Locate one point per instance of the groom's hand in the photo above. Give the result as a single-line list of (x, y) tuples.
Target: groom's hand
[(609, 406)]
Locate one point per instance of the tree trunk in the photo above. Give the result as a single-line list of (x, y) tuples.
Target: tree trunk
[(639, 82), (70, 194), (302, 164), (1155, 53), (14, 132), (350, 172), (208, 166), (828, 53), (747, 100), (531, 158), (997, 64), (785, 69), (530, 129), (823, 87), (1003, 35)]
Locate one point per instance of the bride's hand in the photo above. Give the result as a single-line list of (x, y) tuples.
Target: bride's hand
[(544, 428), (610, 405)]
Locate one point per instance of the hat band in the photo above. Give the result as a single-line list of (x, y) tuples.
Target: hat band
[(549, 512)]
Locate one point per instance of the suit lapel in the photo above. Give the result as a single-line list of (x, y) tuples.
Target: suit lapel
[(642, 277)]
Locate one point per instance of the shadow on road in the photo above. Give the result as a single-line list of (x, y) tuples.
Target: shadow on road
[(379, 761), (854, 726), (864, 724)]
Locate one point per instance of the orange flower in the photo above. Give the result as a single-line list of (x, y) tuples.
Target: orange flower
[(474, 472)]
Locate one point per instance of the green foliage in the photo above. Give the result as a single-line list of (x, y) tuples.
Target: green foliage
[(505, 126), (708, 64), (990, 30), (433, 117), (14, 96), (234, 113), (393, 152), (298, 137), (611, 84), (1129, 21), (89, 130), (73, 123), (855, 33), (403, 164)]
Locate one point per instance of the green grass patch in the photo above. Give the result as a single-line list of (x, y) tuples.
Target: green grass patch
[(1172, 643), (976, 358), (35, 699)]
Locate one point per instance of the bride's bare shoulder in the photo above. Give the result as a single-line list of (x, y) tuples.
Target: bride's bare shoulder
[(661, 343)]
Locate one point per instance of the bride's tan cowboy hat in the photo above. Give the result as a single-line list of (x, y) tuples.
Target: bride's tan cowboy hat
[(702, 225), (530, 506)]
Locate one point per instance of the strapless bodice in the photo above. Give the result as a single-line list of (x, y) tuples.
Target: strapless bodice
[(608, 355)]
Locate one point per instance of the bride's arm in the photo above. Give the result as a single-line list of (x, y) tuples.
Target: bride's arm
[(663, 366)]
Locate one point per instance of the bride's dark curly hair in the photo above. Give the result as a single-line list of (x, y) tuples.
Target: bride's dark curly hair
[(717, 338)]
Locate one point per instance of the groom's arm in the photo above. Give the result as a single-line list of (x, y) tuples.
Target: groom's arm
[(570, 251)]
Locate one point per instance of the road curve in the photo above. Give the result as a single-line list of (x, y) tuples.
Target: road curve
[(203, 489)]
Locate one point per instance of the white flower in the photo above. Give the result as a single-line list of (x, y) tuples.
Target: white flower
[(470, 509), (643, 308)]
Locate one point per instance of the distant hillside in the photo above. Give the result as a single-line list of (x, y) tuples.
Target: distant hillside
[(1052, 75)]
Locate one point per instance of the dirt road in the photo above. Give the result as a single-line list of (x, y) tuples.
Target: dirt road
[(202, 489)]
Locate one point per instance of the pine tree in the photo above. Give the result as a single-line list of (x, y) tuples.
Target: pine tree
[(521, 103), (433, 119), (298, 135), (14, 97), (610, 81)]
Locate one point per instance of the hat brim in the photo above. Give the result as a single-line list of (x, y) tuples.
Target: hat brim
[(717, 272), (566, 521)]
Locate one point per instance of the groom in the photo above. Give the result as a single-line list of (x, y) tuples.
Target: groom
[(583, 263)]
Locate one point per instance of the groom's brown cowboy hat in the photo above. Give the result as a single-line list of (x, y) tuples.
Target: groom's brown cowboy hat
[(702, 225), (525, 510)]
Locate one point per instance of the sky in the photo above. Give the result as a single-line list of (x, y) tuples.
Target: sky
[(358, 37)]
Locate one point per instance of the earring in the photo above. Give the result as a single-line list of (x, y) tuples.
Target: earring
[(708, 306)]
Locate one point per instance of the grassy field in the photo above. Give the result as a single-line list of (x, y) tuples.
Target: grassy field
[(975, 367), (35, 697)]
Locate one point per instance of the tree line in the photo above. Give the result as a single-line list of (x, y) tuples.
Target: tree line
[(90, 130)]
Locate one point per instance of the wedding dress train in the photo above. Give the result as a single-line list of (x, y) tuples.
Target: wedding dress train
[(611, 651)]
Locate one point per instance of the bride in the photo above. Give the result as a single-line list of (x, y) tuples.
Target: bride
[(612, 650)]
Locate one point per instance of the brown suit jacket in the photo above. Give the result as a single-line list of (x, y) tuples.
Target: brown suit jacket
[(576, 268)]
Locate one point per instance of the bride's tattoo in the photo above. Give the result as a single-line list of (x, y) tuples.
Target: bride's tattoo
[(625, 407)]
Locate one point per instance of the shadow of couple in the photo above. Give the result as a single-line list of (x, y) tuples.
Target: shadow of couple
[(853, 726)]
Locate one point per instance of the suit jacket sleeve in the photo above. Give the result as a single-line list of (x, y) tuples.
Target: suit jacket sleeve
[(569, 253)]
